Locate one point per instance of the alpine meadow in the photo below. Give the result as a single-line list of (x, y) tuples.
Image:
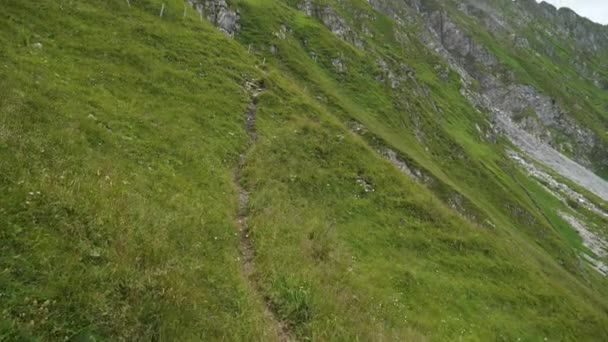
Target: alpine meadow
[(302, 170)]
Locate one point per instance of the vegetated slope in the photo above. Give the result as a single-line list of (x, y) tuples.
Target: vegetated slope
[(120, 132), (516, 51), (381, 205)]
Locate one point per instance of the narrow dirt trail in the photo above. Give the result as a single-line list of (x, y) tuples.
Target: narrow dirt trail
[(245, 244)]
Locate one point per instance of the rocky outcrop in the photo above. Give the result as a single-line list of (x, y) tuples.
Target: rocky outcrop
[(458, 42), (592, 241), (308, 7), (537, 114), (393, 76), (219, 14), (339, 64), (552, 158), (558, 189), (584, 33), (332, 20), (529, 109), (335, 23), (534, 121)]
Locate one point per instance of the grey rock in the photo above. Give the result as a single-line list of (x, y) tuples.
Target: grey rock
[(308, 7), (219, 14), (283, 31), (339, 64), (442, 72), (521, 43), (393, 77), (401, 164), (334, 22), (457, 41), (560, 190), (552, 158)]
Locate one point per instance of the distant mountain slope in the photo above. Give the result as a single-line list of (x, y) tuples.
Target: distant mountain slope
[(302, 170)]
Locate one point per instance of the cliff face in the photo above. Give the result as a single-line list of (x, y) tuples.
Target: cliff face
[(218, 13), (503, 44)]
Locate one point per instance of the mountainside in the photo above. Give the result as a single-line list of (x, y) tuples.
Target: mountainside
[(300, 170)]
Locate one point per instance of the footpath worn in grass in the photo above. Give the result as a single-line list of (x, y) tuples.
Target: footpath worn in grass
[(119, 134)]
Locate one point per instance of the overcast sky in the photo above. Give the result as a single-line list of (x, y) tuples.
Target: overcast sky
[(596, 10)]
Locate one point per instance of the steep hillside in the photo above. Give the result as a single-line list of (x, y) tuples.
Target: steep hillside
[(302, 170)]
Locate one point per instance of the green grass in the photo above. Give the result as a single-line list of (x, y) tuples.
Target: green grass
[(118, 142)]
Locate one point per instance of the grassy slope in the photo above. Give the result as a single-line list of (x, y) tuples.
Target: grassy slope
[(118, 139), (117, 144), (356, 105)]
